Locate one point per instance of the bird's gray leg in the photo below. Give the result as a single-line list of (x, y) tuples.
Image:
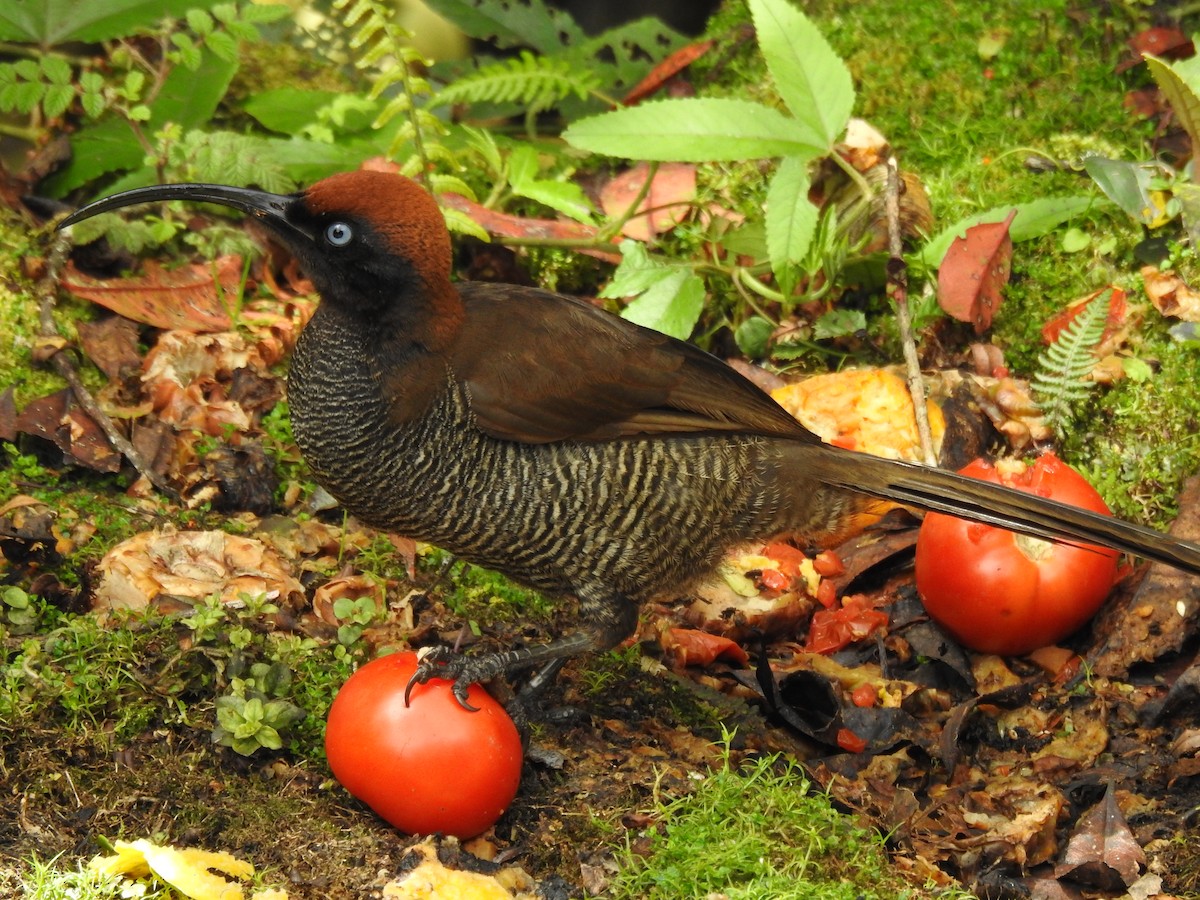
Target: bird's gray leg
[(611, 617)]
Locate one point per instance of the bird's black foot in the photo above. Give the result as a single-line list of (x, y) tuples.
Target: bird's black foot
[(464, 671)]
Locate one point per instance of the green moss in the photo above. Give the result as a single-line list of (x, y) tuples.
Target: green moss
[(756, 832)]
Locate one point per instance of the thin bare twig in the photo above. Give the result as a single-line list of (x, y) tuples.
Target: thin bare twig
[(51, 347), (897, 288)]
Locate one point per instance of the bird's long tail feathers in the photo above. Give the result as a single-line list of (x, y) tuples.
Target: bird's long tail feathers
[(939, 490)]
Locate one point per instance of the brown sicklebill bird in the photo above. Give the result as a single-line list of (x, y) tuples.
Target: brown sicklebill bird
[(533, 434)]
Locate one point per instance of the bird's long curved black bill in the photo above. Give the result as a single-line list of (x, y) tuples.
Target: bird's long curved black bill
[(272, 208)]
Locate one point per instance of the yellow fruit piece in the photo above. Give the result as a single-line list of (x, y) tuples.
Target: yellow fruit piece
[(861, 409), (188, 871)]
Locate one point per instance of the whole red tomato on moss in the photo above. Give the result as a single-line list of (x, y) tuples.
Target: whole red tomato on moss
[(428, 767), (1000, 592)]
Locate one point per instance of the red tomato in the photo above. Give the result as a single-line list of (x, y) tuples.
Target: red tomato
[(828, 564), (833, 629), (999, 592), (864, 695), (850, 742), (428, 767)]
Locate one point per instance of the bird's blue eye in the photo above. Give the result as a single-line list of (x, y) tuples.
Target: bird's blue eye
[(339, 234)]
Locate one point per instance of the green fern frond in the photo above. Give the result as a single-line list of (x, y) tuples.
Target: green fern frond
[(1061, 382), (535, 82), (460, 223), (383, 48)]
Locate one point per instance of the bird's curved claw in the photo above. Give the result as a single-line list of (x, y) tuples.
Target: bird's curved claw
[(439, 662)]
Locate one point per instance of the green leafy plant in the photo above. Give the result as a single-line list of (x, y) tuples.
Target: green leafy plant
[(1061, 381), (128, 95), (256, 714), (18, 615), (816, 89), (354, 615)]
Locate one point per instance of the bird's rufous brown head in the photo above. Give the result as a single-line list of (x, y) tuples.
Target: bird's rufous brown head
[(373, 243)]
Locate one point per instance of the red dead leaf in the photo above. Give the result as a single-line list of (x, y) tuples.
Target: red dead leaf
[(668, 200), (520, 227), (666, 70), (1169, 42), (974, 273), (187, 298), (1118, 312)]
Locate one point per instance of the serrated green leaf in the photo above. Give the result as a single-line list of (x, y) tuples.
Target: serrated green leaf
[(223, 45), (93, 104), (791, 219), (265, 12), (27, 69), (57, 100), (242, 31), (56, 69), (27, 95), (1033, 219), (694, 130), (810, 77), (671, 305), (1180, 83), (91, 81), (199, 21)]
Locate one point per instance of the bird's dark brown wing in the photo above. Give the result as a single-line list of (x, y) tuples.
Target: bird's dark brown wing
[(541, 367)]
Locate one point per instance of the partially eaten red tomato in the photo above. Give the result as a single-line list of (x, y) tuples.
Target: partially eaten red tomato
[(1000, 592), (428, 766)]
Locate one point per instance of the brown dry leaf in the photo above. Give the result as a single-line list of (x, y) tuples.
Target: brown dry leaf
[(864, 409), (1103, 853), (1016, 811), (193, 296), (668, 201), (974, 272), (111, 343), (56, 418), (1159, 617), (192, 565), (1170, 295), (666, 70), (189, 379)]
